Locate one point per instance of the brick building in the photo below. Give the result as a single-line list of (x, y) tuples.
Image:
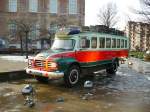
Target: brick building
[(46, 14), (139, 34)]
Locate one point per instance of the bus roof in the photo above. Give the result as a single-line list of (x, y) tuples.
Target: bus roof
[(90, 34), (99, 34)]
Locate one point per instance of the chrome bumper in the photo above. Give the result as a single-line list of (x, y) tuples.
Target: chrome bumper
[(50, 75)]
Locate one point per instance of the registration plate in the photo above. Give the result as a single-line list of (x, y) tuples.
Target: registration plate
[(37, 73)]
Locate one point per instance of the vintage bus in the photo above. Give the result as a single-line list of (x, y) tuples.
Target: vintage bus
[(74, 55)]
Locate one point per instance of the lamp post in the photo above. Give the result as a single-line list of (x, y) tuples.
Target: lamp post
[(26, 45)]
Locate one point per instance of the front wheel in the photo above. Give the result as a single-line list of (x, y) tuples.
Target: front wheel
[(112, 69), (72, 76)]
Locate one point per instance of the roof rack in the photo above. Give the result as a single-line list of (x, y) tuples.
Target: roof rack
[(103, 29)]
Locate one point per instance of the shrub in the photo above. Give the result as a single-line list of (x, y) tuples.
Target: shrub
[(136, 54), (147, 57)]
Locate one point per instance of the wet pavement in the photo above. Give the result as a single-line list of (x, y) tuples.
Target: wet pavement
[(128, 91), (9, 66)]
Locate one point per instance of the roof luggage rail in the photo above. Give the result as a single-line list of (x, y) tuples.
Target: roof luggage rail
[(102, 29)]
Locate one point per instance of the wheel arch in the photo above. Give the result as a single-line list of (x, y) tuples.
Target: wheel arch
[(76, 64), (66, 63), (67, 77), (116, 59)]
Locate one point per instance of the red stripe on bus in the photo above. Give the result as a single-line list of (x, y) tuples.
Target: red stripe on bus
[(93, 56)]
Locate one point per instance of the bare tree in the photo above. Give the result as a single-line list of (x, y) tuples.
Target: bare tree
[(62, 21), (24, 27), (108, 15), (47, 33), (145, 10)]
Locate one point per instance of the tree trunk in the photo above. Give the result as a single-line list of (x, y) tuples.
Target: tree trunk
[(50, 41), (26, 45), (21, 45)]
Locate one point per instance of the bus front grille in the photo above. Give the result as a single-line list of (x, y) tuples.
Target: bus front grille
[(40, 63)]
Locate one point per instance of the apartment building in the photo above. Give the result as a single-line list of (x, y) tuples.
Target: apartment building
[(139, 35), (46, 14)]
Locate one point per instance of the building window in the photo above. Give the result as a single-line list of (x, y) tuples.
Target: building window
[(72, 6), (53, 6), (12, 6), (12, 27), (22, 5), (35, 32), (63, 8), (33, 5)]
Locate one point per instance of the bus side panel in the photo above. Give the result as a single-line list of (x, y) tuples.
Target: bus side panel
[(124, 53), (92, 61), (95, 56)]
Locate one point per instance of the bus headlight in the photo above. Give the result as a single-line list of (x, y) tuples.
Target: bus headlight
[(30, 63), (53, 65)]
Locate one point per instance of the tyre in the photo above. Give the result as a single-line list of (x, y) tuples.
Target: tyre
[(72, 76), (112, 69), (42, 79)]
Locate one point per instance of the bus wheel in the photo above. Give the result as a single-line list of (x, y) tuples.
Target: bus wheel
[(112, 69), (42, 79), (72, 76)]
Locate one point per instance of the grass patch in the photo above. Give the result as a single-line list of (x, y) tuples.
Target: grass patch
[(136, 54)]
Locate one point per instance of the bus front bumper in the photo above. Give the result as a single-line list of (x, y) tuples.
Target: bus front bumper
[(50, 75)]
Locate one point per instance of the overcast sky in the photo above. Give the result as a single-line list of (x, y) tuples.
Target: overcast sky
[(125, 7)]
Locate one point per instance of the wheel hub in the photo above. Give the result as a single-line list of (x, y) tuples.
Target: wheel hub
[(73, 77)]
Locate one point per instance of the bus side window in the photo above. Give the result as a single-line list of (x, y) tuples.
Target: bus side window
[(94, 42), (84, 42), (101, 42), (113, 43), (118, 43), (108, 42), (125, 43), (122, 43)]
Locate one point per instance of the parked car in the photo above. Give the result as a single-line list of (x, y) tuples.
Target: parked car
[(3, 45)]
